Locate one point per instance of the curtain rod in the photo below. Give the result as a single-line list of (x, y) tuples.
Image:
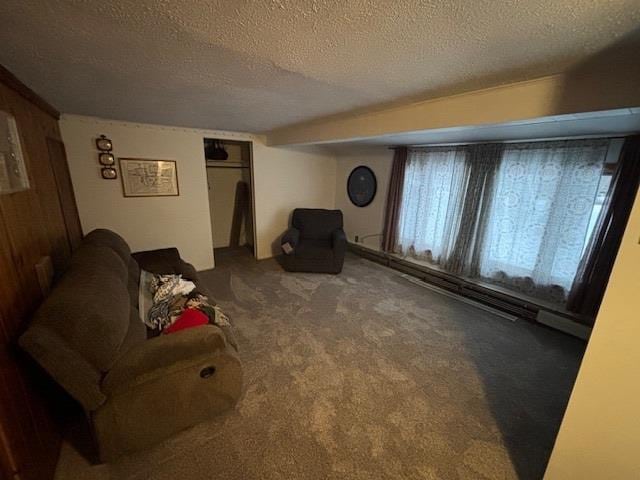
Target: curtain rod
[(546, 139)]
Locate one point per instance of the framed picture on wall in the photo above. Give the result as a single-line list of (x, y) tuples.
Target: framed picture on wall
[(13, 173), (149, 178)]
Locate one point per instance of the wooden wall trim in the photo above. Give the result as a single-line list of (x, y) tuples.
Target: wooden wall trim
[(11, 81), (38, 222)]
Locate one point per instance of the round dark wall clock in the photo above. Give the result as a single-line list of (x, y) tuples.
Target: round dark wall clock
[(362, 186)]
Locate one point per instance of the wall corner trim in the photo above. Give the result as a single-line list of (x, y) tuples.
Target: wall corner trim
[(13, 82)]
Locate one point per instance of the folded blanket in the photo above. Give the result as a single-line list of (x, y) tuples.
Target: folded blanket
[(165, 289), (201, 302), (167, 297)]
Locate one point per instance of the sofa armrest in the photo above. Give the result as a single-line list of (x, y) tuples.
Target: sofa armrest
[(339, 241), (164, 386), (292, 237), (160, 355), (188, 271), (72, 371), (164, 261), (167, 261)]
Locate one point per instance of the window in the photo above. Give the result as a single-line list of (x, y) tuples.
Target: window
[(524, 226), (537, 226), (432, 202)]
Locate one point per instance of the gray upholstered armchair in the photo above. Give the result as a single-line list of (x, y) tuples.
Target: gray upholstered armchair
[(315, 242)]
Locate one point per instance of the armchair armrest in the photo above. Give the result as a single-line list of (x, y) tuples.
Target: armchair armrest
[(161, 355), (292, 237), (339, 241)]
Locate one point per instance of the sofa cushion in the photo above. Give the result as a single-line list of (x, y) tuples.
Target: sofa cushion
[(133, 283), (102, 257), (318, 250), (89, 308), (136, 333), (107, 238)]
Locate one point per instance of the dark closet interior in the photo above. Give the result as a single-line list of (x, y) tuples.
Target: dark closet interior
[(230, 192)]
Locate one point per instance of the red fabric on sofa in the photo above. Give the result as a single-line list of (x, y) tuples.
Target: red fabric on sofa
[(189, 318)]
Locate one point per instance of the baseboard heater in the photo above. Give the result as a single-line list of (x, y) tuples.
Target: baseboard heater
[(509, 305), (458, 297), (564, 324)]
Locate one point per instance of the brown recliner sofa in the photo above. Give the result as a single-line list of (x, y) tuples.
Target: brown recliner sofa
[(136, 390)]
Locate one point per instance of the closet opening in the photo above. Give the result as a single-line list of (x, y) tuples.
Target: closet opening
[(231, 200)]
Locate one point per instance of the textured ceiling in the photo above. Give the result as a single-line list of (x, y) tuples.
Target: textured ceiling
[(258, 65)]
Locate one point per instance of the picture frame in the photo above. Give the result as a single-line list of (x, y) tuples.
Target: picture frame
[(143, 177), (362, 186), (13, 171)]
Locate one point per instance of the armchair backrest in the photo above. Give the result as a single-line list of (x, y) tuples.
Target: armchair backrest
[(316, 223)]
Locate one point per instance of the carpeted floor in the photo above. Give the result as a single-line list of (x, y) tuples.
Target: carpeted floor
[(366, 375)]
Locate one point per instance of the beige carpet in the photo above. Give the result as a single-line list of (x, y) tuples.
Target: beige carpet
[(366, 375)]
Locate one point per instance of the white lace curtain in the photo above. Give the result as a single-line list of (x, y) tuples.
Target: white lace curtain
[(432, 202), (537, 225), (529, 216)]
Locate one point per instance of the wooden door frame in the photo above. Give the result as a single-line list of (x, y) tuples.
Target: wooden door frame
[(252, 192), (253, 201)]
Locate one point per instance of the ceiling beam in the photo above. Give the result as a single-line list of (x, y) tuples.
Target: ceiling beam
[(11, 81), (569, 93)]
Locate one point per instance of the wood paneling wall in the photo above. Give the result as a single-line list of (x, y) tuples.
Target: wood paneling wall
[(41, 221)]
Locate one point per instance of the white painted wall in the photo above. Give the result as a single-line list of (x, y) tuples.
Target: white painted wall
[(600, 433), (369, 220), (287, 178), (284, 179)]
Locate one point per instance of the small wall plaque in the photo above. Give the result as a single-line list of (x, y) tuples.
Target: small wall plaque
[(109, 173), (107, 159)]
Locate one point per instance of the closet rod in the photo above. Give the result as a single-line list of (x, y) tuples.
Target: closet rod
[(224, 166)]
